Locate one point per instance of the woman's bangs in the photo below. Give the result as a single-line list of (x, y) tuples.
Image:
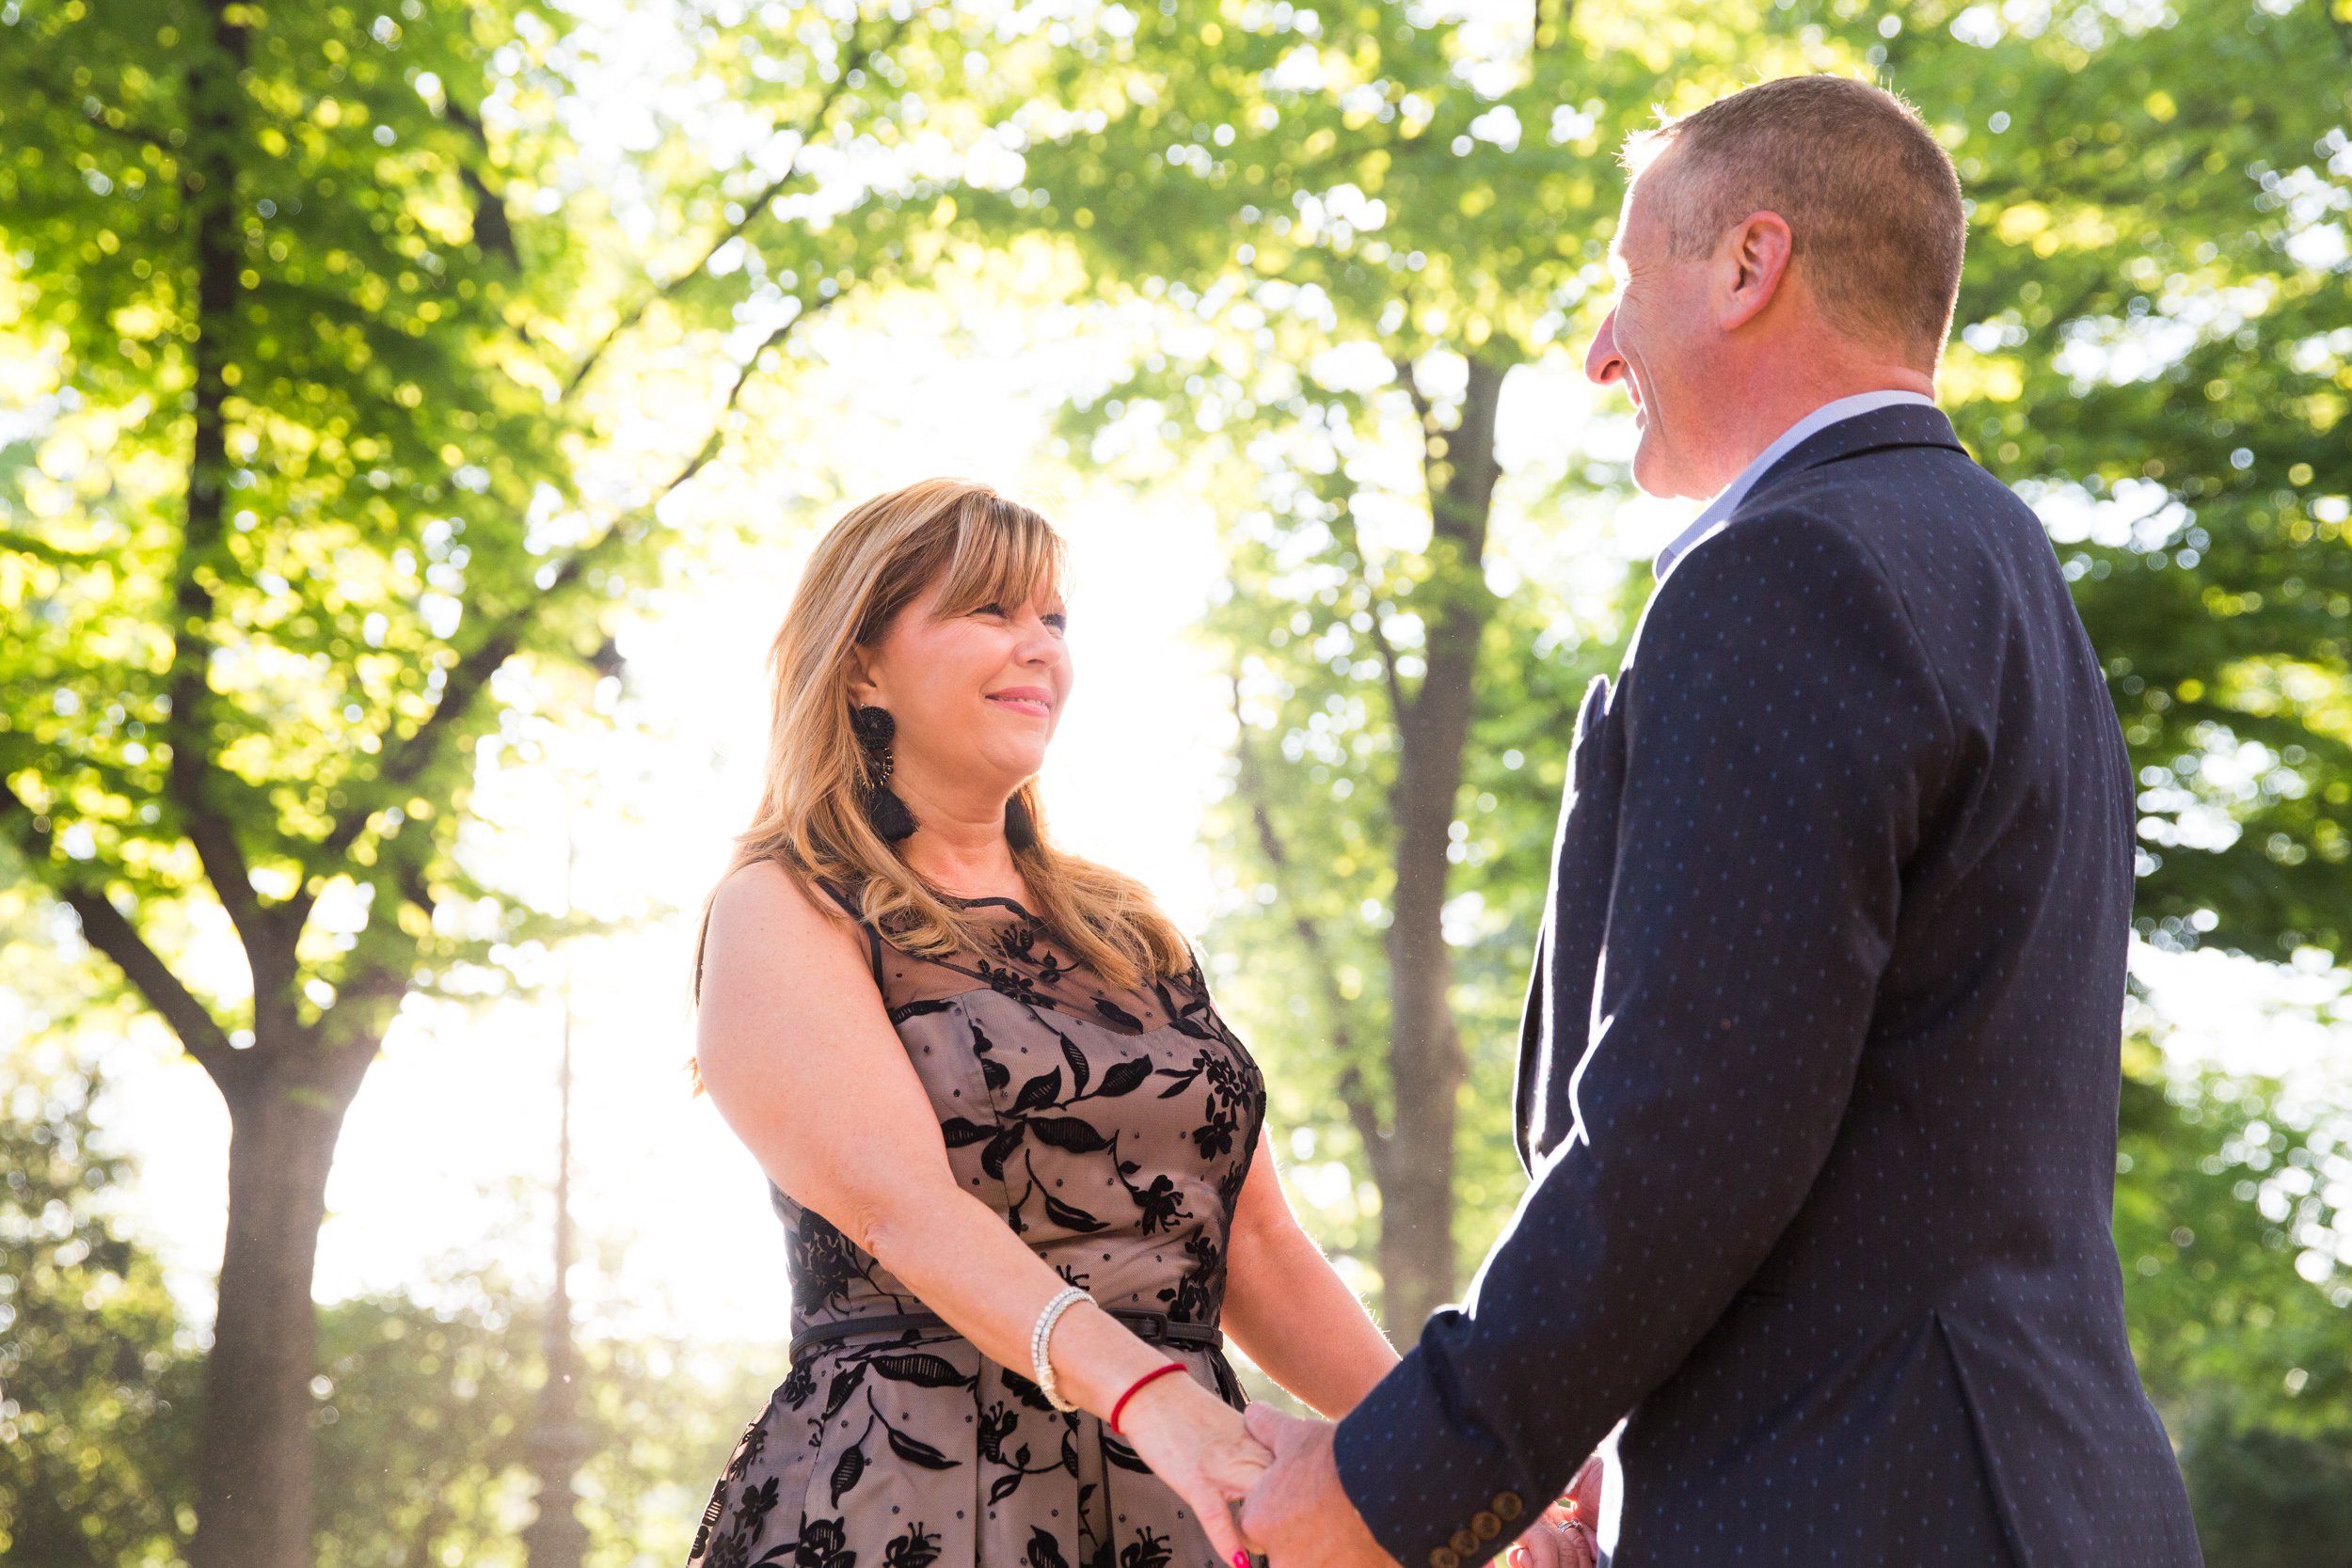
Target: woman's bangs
[(1005, 554)]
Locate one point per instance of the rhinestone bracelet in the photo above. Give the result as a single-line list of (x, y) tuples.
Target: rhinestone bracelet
[(1070, 1296)]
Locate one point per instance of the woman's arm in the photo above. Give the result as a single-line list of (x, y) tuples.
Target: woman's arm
[(798, 1055), (1288, 1309)]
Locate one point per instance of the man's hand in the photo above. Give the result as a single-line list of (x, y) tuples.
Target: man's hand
[(1297, 1514)]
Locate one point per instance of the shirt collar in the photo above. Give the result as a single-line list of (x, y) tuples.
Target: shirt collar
[(1727, 499)]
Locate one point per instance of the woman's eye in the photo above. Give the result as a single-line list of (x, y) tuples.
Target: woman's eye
[(1059, 621), (989, 610)]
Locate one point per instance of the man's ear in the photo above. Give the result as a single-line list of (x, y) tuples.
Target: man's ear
[(1752, 266)]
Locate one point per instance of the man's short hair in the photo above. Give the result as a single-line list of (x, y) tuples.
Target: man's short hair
[(1871, 198)]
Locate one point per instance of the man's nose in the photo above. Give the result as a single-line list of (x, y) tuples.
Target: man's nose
[(1603, 364)]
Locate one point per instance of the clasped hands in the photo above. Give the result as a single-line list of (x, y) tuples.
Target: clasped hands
[(1267, 1483)]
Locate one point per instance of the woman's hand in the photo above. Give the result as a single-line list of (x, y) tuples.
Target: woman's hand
[(1561, 1536), (1196, 1443)]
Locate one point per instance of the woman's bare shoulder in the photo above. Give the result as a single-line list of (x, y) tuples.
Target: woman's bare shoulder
[(785, 982), (763, 909)]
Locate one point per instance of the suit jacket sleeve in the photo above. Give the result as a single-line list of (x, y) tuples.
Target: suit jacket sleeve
[(1782, 732)]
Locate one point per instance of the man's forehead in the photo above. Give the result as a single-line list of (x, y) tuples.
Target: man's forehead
[(1634, 222)]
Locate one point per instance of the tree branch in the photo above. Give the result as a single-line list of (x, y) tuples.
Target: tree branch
[(137, 136), (752, 211), (1366, 1121), (106, 929), (1539, 37), (1397, 703), (1399, 706), (413, 887), (1251, 781), (1462, 481), (1458, 493), (353, 1030), (414, 757), (188, 781), (1422, 406), (491, 231), (13, 543)]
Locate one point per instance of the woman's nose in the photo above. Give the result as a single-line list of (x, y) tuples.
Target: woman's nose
[(1603, 364), (1040, 646)]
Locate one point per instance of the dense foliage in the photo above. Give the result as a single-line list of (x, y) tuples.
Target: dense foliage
[(97, 1380), (2232, 1204)]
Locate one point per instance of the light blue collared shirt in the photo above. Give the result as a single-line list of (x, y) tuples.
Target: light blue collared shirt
[(1727, 499)]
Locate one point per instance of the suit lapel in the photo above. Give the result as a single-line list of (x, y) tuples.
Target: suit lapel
[(1553, 1025), (1552, 1028)]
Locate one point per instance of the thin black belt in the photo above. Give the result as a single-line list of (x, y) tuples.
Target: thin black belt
[(1154, 1328)]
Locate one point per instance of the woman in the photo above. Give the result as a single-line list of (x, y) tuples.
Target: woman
[(1015, 1149)]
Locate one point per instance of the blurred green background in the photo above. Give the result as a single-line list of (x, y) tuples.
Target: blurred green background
[(380, 385)]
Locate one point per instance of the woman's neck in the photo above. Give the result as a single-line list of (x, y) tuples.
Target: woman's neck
[(959, 845)]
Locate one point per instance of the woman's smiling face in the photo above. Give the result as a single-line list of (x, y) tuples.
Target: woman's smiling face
[(976, 695)]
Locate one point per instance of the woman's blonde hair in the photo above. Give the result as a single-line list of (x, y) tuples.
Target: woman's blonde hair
[(982, 549)]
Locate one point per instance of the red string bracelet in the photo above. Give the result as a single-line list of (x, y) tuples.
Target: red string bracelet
[(1133, 1388)]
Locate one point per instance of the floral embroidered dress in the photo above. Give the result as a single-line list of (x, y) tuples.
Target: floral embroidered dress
[(1111, 1129)]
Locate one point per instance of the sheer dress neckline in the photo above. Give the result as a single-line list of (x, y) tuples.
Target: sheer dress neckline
[(1022, 957), (960, 901)]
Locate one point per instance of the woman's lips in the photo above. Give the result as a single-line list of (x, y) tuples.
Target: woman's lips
[(1037, 704)]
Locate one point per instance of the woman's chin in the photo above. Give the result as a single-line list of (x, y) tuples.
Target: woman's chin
[(1011, 767), (1017, 740)]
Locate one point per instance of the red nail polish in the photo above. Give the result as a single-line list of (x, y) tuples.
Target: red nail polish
[(1241, 1560)]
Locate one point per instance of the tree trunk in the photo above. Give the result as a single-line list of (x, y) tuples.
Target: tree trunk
[(1416, 1250), (255, 1435), (1427, 1066), (1425, 1062), (286, 1092)]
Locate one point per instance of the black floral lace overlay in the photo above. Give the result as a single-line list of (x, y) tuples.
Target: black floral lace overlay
[(1112, 1129)]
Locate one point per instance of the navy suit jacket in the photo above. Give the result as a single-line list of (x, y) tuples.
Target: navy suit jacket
[(1819, 1073)]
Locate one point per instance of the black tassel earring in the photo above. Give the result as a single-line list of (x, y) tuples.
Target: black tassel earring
[(875, 730), (1020, 828)]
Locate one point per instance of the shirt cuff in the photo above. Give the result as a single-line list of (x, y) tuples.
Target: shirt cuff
[(1433, 1491)]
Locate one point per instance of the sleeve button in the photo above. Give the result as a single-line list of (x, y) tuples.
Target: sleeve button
[(1463, 1542), (1486, 1524), (1509, 1507), (1445, 1557)]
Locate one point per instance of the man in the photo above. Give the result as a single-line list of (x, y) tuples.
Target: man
[(1819, 1071)]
